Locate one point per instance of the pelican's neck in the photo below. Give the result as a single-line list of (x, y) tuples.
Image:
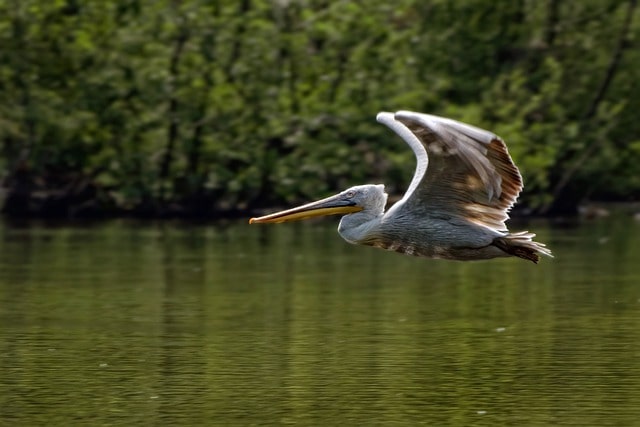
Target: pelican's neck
[(360, 226)]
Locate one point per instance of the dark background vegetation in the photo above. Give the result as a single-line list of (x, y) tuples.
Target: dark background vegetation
[(212, 108)]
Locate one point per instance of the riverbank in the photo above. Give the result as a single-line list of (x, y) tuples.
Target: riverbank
[(90, 202)]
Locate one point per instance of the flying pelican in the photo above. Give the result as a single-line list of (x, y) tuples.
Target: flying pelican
[(456, 205)]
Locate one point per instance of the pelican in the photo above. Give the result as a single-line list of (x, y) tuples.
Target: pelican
[(456, 205)]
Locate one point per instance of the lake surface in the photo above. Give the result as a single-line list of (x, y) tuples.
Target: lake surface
[(137, 323)]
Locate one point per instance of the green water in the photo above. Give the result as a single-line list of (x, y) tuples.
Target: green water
[(131, 323)]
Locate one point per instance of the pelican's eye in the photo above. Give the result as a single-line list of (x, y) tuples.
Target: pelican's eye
[(350, 194)]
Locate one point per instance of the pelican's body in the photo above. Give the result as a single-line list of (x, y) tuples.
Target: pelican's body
[(456, 205), (435, 235)]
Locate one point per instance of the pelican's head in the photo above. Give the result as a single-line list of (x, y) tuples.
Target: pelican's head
[(368, 199)]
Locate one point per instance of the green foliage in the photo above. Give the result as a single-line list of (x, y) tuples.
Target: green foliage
[(199, 107)]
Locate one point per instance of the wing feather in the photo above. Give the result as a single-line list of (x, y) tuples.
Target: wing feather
[(470, 174)]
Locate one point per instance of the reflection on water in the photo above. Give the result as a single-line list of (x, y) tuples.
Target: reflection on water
[(130, 323)]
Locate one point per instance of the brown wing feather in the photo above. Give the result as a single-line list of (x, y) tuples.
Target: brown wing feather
[(470, 173)]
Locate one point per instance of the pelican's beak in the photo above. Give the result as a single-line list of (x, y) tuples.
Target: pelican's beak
[(334, 205)]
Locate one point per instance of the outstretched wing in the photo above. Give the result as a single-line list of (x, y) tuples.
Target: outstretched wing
[(470, 174)]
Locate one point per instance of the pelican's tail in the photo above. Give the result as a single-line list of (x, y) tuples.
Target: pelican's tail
[(522, 245)]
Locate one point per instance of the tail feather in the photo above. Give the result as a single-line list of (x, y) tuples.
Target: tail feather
[(522, 245)]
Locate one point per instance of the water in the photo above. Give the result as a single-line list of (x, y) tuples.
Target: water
[(130, 323)]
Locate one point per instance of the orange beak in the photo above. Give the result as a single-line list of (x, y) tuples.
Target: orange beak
[(334, 205)]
